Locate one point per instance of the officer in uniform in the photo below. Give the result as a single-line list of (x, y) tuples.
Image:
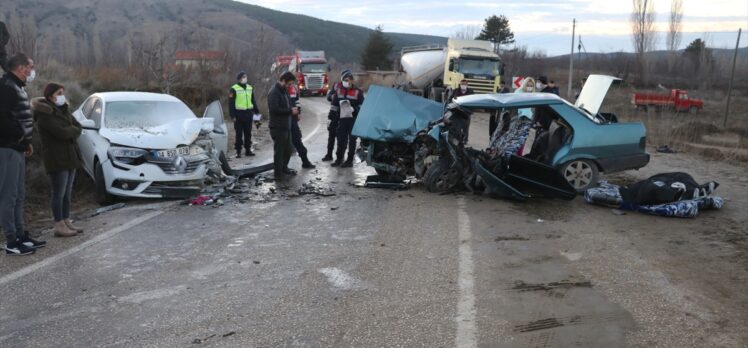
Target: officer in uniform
[(347, 100), (334, 117), (293, 94), (242, 108)]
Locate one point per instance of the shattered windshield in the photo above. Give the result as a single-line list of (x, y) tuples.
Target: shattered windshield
[(313, 68), (477, 66), (144, 114)]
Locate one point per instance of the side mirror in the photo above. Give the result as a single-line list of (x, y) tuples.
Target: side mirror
[(88, 124)]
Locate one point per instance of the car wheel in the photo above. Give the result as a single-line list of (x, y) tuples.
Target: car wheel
[(580, 174), (441, 177), (102, 196)]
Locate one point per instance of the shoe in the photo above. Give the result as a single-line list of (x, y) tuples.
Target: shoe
[(63, 231), (327, 158), (17, 249), (249, 153), (308, 165), (32, 243), (347, 164), (69, 224), (238, 154), (337, 162), (289, 171)]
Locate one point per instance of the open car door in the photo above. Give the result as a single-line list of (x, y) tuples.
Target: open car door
[(525, 179), (220, 133)]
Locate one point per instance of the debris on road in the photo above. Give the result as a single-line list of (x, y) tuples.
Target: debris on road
[(108, 208), (665, 149), (376, 181), (313, 188)]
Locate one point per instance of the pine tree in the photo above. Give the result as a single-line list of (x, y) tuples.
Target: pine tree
[(376, 52), (496, 29)]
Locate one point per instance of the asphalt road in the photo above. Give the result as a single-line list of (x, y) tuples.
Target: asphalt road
[(379, 268)]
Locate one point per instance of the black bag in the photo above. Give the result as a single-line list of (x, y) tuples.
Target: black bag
[(666, 188)]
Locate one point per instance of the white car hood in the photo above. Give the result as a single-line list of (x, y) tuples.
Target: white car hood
[(593, 93), (166, 136)]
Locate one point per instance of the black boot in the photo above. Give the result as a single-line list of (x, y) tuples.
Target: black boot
[(306, 164), (348, 163), (238, 153), (249, 152), (327, 157), (337, 162)]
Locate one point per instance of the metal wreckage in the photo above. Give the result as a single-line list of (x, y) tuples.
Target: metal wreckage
[(405, 135)]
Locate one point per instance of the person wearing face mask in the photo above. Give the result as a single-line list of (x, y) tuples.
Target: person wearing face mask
[(334, 117), (462, 90), (242, 108), (281, 112), (16, 129), (348, 100), (59, 132)]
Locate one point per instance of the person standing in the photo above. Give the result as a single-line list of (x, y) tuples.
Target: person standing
[(348, 100), (552, 88), (16, 129), (281, 112), (503, 88), (334, 117), (59, 132), (293, 94), (463, 90), (242, 108)]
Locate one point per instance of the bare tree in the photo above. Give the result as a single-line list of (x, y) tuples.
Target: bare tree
[(674, 31), (643, 32), (469, 32), (23, 35)]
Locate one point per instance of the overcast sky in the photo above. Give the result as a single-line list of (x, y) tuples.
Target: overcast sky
[(539, 25)]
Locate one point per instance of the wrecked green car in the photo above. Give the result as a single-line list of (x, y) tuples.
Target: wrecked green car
[(405, 135)]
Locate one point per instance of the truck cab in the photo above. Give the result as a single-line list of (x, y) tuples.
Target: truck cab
[(475, 61), (312, 72), (683, 103)]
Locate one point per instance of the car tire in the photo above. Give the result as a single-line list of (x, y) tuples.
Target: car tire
[(581, 174), (441, 177), (102, 196)]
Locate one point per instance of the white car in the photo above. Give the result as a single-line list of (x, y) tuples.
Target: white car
[(149, 145)]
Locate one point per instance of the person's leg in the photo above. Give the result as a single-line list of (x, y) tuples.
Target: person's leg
[(247, 126), (289, 149), (343, 133), (238, 141), (332, 134), (11, 166), (67, 197), (59, 181), (278, 148)]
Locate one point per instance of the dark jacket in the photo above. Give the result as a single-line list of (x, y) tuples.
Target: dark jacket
[(279, 107), (553, 90), (59, 132), (354, 95), (4, 39), (16, 123), (241, 115), (459, 93)]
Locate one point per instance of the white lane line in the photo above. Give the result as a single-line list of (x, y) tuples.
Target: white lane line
[(316, 128), (466, 329), (56, 258)]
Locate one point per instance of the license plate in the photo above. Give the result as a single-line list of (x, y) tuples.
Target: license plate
[(171, 153)]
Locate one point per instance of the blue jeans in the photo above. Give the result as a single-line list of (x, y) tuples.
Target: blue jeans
[(62, 189), (12, 193)]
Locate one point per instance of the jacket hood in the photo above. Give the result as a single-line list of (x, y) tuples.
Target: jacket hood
[(166, 136), (41, 106)]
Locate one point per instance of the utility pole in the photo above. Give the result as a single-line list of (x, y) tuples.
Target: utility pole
[(732, 75), (571, 58)]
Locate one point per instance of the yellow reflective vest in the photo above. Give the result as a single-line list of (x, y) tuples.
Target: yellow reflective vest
[(243, 97)]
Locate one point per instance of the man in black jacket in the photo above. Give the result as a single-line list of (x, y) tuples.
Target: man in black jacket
[(16, 128), (281, 111)]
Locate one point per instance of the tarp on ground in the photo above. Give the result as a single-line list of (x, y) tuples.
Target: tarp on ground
[(391, 115)]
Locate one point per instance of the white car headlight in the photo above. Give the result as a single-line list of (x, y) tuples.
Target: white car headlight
[(127, 155)]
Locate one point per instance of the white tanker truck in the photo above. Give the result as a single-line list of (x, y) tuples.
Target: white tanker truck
[(431, 69)]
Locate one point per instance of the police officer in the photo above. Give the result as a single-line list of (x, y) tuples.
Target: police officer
[(242, 108), (464, 89), (347, 100), (293, 94), (334, 117)]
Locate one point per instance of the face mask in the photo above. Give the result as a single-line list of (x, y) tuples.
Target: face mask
[(528, 89), (463, 87), (539, 86), (243, 81), (31, 76), (60, 100), (346, 84)]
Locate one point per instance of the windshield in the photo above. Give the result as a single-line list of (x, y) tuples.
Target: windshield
[(478, 66), (144, 114), (314, 68)]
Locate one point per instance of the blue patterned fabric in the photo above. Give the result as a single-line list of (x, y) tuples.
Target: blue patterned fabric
[(607, 194), (509, 143)]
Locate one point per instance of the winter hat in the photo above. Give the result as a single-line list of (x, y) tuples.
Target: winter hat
[(346, 73), (240, 75), (543, 80)]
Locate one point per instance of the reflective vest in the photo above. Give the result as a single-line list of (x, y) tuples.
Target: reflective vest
[(243, 97)]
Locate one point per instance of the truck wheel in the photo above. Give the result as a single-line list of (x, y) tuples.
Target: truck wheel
[(440, 177), (581, 174), (436, 94), (102, 196), (693, 109)]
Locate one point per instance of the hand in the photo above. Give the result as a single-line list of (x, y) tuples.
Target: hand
[(29, 151), (294, 111), (258, 124)]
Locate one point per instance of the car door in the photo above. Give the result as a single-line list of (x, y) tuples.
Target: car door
[(220, 133), (86, 142)]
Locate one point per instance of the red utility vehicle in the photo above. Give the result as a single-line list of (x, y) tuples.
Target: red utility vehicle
[(677, 100)]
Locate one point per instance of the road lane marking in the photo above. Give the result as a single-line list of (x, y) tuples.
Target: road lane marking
[(466, 330), (315, 130), (56, 258)]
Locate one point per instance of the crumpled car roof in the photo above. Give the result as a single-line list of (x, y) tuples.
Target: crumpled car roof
[(507, 100), (391, 115)]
